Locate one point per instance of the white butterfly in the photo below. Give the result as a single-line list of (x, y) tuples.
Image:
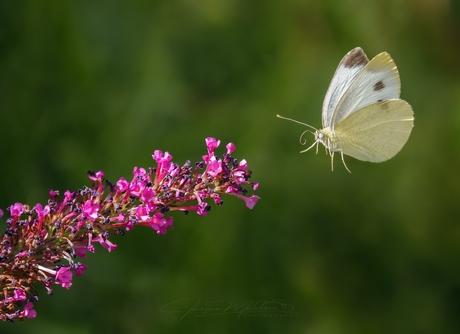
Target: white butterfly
[(363, 116)]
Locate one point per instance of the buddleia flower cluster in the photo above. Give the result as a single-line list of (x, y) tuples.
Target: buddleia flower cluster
[(41, 243)]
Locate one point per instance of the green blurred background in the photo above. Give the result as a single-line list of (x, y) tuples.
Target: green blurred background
[(100, 85)]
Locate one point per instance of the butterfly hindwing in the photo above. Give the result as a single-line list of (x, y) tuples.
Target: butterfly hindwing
[(377, 132), (353, 62), (377, 81)]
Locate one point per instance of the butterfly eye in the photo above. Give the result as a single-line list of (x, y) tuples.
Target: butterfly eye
[(320, 135)]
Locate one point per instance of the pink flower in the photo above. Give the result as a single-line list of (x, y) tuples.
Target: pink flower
[(212, 143), (157, 156), (105, 243), (216, 198), (136, 188), (207, 158), (230, 148), (1, 213), (65, 276), (42, 211), (129, 225), (160, 224), (90, 210), (202, 208), (81, 251), (161, 159), (148, 195), (215, 166), (243, 164), (67, 195), (97, 176), (16, 209), (80, 268), (19, 295), (251, 201), (151, 207), (140, 171), (28, 312), (142, 213), (240, 176), (122, 184)]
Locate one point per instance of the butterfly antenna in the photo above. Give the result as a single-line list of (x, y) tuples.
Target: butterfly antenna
[(309, 147), (332, 161), (304, 141), (293, 120)]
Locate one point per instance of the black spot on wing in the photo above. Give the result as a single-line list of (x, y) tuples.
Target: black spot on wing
[(379, 85), (355, 57)]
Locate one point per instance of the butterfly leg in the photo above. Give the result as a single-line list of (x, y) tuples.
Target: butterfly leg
[(343, 160)]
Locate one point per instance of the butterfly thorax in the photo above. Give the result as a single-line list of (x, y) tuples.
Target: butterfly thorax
[(327, 137)]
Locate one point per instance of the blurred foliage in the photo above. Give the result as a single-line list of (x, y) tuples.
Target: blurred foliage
[(101, 85)]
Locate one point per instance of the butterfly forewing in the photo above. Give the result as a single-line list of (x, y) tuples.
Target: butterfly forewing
[(377, 81), (377, 132), (353, 62)]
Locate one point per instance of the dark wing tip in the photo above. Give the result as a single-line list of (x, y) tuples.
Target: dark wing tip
[(355, 57)]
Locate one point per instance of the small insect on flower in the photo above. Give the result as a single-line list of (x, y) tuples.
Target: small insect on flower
[(363, 116)]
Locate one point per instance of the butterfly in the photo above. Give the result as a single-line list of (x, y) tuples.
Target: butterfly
[(363, 116)]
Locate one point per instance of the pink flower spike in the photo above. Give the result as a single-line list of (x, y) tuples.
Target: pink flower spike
[(16, 209), (230, 148), (28, 312)]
